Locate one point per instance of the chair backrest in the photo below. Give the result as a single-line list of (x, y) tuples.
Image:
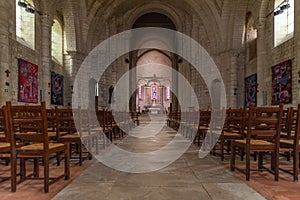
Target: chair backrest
[(296, 116), (51, 118), (3, 133), (265, 123), (27, 124), (291, 122), (234, 121), (205, 116), (101, 116), (65, 119)]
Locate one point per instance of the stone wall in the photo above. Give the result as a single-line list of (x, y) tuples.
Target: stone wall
[(219, 27)]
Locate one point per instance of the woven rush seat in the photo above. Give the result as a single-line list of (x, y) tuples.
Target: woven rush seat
[(4, 146), (254, 142), (53, 134), (231, 134), (75, 135), (40, 146), (203, 127), (70, 135), (288, 141)]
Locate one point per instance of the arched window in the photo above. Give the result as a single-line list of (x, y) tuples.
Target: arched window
[(250, 38), (57, 42), (283, 21), (25, 23)]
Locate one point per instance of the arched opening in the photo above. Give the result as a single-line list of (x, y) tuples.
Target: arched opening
[(153, 72), (283, 21), (25, 23), (250, 38), (93, 93), (57, 42)]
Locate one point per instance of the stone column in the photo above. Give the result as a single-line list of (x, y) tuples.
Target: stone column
[(72, 64), (261, 63), (174, 86), (132, 81), (46, 22), (232, 101), (4, 53)]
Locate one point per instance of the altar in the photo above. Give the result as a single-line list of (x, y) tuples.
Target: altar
[(156, 109)]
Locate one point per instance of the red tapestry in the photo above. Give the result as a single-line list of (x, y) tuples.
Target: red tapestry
[(28, 82)]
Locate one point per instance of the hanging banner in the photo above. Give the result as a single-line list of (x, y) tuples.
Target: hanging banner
[(56, 89), (282, 83), (28, 82)]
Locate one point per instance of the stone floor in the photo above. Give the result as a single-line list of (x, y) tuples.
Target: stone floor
[(187, 178)]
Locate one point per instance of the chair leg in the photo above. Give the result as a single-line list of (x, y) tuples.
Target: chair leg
[(232, 158), (22, 169), (276, 167), (67, 162), (273, 163), (247, 165), (46, 173), (36, 168), (260, 160), (58, 158), (222, 148), (13, 171), (80, 153), (296, 166)]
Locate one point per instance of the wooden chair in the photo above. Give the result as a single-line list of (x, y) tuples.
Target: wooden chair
[(74, 138), (5, 150), (263, 135), (105, 127), (191, 126), (290, 142), (28, 125), (233, 129), (203, 124)]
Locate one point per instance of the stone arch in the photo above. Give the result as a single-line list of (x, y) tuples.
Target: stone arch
[(161, 8), (263, 10), (158, 50), (26, 24), (57, 41), (70, 26)]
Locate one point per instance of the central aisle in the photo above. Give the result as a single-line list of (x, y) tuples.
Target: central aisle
[(187, 178)]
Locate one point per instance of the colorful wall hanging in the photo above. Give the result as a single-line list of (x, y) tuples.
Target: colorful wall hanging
[(251, 90), (282, 83), (56, 89), (28, 82)]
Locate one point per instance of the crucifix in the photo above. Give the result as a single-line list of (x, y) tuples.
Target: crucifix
[(7, 73)]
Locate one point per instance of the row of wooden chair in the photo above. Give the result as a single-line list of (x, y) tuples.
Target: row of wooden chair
[(26, 130), (257, 131), (40, 134)]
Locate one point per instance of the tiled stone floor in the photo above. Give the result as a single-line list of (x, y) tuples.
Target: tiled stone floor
[(33, 189), (187, 178)]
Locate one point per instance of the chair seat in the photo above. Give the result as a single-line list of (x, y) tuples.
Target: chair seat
[(75, 135), (287, 141), (231, 134), (38, 148), (254, 142), (203, 127), (70, 135), (4, 146)]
